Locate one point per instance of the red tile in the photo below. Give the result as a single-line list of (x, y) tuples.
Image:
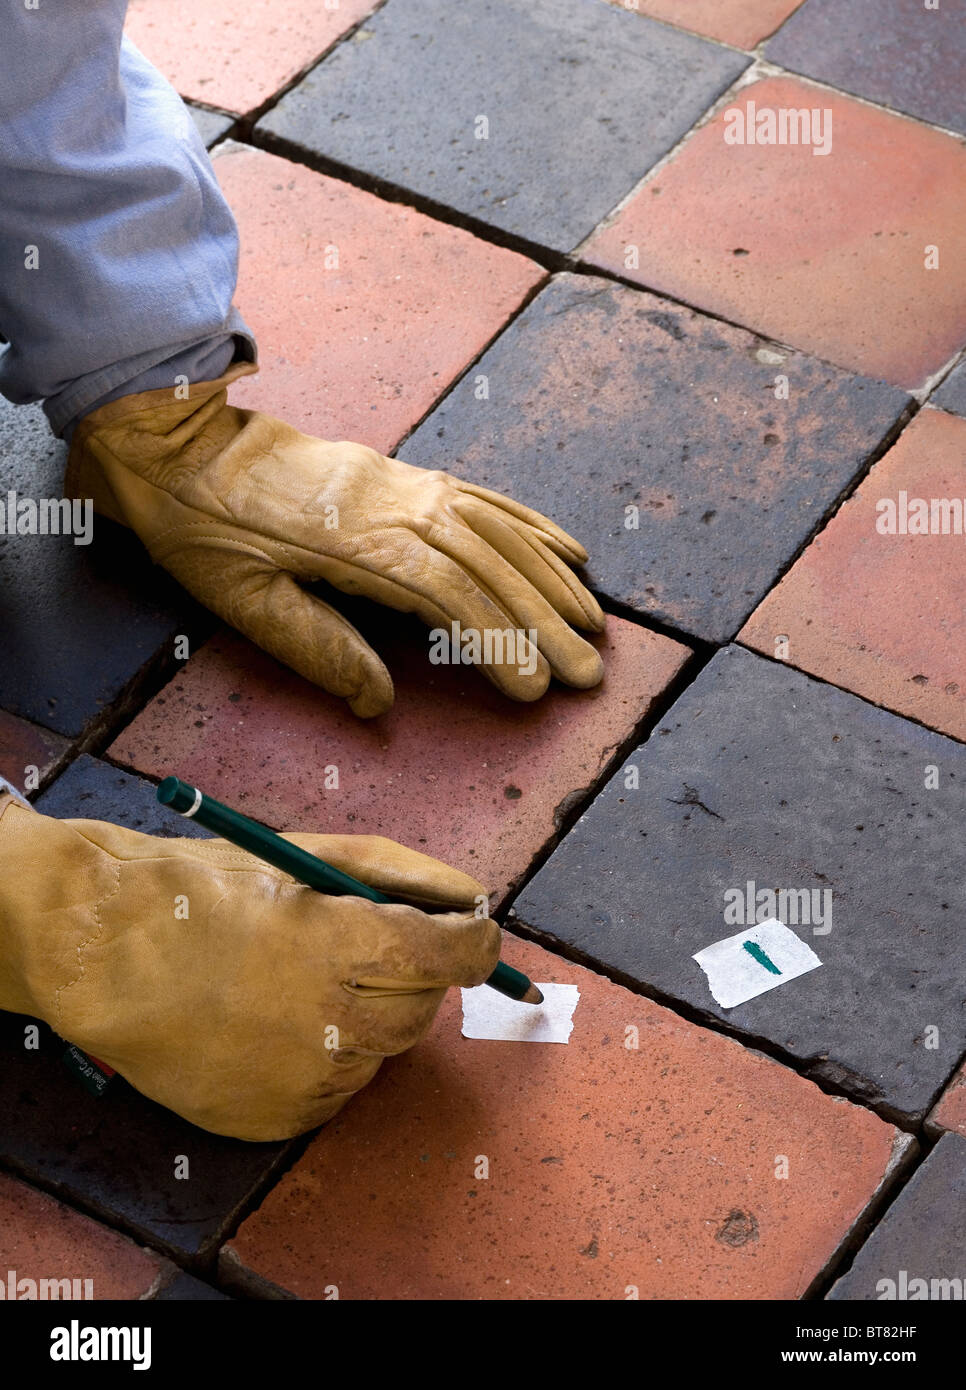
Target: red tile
[(237, 56), (41, 1239), (882, 615), (826, 253), (360, 349), (950, 1111), (454, 769), (609, 1168), (27, 752), (742, 23)]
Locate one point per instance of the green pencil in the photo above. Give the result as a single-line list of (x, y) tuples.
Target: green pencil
[(304, 867)]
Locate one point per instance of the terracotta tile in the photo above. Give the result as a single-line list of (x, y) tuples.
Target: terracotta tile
[(605, 405), (361, 349), (82, 620), (827, 253), (950, 1110), (579, 100), (901, 53), (609, 1168), (758, 775), (921, 1237), (454, 769), (27, 752), (742, 23), (883, 615), (237, 56), (42, 1239)]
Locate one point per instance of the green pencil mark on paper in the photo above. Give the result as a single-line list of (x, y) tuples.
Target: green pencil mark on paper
[(755, 950)]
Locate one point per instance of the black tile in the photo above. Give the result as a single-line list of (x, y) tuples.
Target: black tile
[(77, 622), (899, 53), (213, 125), (918, 1250), (759, 774), (183, 1288), (94, 790), (581, 99), (599, 398), (951, 395)]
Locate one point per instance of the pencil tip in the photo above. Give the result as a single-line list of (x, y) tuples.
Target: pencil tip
[(533, 996)]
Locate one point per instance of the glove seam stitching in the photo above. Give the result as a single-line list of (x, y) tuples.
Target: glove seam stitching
[(83, 945), (238, 858), (245, 547), (291, 551), (175, 531)]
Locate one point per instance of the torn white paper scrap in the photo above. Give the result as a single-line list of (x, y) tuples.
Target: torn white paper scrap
[(757, 959), (489, 1014)]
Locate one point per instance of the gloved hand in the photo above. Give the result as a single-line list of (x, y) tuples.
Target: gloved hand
[(212, 981), (243, 510)]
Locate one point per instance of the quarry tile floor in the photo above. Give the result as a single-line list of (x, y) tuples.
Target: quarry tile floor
[(732, 365)]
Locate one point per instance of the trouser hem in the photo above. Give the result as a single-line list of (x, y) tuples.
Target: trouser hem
[(77, 399)]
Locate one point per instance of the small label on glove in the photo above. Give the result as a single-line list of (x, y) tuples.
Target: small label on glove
[(93, 1075)]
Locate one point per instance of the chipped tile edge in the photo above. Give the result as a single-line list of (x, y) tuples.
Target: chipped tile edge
[(236, 1277), (905, 1149)]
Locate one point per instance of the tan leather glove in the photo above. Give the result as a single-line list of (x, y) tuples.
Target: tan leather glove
[(226, 1015), (243, 510)]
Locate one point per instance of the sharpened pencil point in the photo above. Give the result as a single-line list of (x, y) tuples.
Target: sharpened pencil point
[(532, 996)]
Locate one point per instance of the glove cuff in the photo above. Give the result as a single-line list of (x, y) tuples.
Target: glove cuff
[(172, 421)]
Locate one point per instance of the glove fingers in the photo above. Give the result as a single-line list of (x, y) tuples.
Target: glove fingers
[(270, 608), (472, 602), (553, 535), (421, 951), (442, 592), (391, 965), (394, 869), (526, 552), (375, 949), (396, 1003), (571, 659)]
